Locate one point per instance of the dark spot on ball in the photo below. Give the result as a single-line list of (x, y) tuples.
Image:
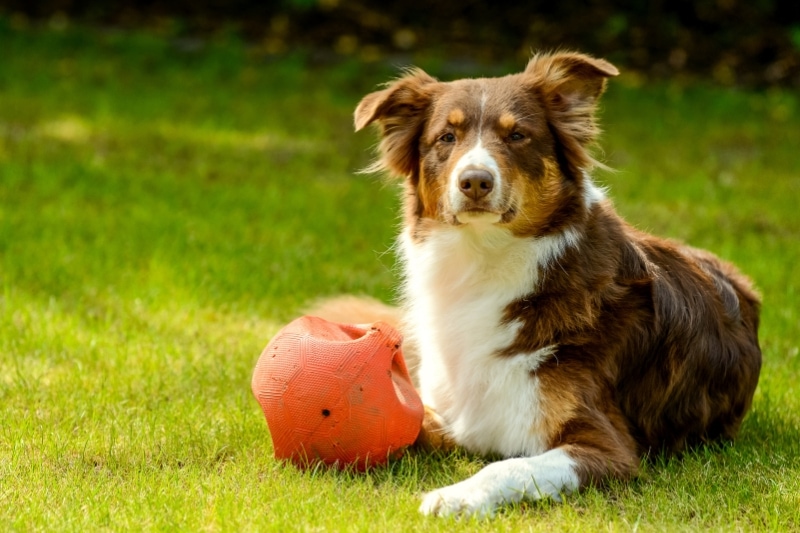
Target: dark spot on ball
[(326, 412)]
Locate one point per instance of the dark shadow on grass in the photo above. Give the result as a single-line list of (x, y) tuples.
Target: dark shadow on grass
[(416, 471)]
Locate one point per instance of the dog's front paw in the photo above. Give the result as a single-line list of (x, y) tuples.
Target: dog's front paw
[(462, 499)]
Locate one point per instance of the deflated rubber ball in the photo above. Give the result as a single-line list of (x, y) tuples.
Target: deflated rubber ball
[(337, 393)]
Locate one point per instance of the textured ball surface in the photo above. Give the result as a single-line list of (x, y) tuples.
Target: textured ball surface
[(336, 393)]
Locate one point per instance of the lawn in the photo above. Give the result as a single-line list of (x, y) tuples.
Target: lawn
[(166, 205)]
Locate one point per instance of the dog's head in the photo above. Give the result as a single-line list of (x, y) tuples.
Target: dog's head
[(508, 151)]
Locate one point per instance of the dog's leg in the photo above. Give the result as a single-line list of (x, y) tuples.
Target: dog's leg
[(558, 471), (509, 481)]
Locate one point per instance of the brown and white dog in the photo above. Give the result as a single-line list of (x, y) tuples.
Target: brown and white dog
[(549, 331)]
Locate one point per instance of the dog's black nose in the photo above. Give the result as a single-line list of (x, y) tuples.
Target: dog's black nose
[(476, 183)]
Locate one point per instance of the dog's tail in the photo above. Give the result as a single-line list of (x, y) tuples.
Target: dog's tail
[(355, 310)]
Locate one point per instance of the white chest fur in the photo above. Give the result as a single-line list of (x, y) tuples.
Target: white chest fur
[(458, 284)]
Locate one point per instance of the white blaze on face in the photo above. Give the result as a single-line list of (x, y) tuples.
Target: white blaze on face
[(478, 158)]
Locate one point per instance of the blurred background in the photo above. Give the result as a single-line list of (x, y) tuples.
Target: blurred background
[(732, 42)]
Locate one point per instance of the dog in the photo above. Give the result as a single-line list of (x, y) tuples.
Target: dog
[(550, 333)]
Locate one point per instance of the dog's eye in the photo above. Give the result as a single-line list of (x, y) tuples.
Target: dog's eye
[(448, 138), (516, 136)]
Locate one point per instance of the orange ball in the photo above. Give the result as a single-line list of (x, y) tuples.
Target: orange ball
[(337, 393)]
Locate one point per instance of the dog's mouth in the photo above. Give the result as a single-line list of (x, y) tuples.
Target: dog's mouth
[(476, 215)]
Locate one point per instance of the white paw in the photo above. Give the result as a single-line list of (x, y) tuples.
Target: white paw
[(463, 499), (508, 481)]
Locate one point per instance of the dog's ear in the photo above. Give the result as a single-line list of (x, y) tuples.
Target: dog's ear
[(400, 111), (570, 85)]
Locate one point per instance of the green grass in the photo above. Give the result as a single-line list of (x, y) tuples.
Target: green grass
[(164, 210)]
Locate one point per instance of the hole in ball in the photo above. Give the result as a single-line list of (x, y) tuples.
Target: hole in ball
[(326, 412)]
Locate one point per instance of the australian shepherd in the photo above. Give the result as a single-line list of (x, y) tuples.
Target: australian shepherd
[(550, 333)]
